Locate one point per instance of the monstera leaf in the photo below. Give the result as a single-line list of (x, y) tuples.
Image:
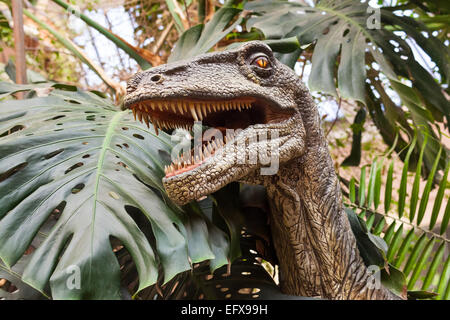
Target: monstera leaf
[(73, 167), (202, 37), (337, 26), (348, 30), (359, 50), (245, 279)]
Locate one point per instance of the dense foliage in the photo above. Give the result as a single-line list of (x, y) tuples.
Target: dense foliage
[(80, 180)]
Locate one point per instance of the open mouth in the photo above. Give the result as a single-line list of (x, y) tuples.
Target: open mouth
[(223, 115)]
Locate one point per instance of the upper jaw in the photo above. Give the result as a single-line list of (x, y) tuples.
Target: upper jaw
[(233, 113)]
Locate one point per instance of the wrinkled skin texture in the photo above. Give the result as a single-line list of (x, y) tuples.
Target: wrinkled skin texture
[(315, 246)]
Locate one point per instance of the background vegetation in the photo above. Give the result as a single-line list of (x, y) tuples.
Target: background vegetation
[(67, 150)]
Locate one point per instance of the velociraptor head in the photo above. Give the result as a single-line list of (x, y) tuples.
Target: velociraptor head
[(246, 90)]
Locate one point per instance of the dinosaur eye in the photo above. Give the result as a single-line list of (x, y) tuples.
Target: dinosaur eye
[(261, 62)]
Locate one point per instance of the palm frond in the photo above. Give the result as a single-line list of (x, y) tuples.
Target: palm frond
[(417, 241)]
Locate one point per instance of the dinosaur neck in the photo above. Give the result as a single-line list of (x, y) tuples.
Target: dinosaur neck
[(311, 231)]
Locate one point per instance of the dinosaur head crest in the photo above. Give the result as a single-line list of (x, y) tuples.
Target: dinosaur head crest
[(249, 104)]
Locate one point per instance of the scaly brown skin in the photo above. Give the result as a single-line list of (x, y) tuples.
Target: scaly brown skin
[(315, 246)]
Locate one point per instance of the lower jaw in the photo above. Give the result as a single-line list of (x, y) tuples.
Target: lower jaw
[(197, 155), (181, 170)]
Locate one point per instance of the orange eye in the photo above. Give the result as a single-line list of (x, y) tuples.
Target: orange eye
[(262, 62)]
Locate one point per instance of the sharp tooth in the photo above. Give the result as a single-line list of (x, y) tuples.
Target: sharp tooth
[(146, 119), (139, 114), (185, 106), (227, 105), (199, 111), (160, 106), (214, 106), (210, 147), (152, 105), (172, 105), (239, 105), (180, 107), (205, 113), (155, 126), (134, 113), (145, 108), (194, 115)]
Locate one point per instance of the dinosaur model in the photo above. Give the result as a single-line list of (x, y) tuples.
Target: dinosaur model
[(249, 91)]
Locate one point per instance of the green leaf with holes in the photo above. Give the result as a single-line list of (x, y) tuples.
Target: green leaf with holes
[(73, 160), (201, 38), (347, 38), (338, 28)]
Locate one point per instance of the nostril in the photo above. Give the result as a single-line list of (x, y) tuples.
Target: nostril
[(156, 78)]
